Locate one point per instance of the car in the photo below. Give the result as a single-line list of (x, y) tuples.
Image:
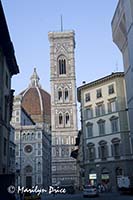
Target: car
[(90, 190)]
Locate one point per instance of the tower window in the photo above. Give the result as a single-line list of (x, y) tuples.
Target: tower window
[(62, 66), (60, 119), (67, 118), (66, 94), (59, 94)]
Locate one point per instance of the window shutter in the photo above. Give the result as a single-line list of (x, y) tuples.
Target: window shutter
[(99, 152), (112, 149), (94, 153)]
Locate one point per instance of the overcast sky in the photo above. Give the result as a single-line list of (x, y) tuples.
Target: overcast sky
[(29, 22)]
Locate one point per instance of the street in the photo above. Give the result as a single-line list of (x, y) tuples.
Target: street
[(103, 196)]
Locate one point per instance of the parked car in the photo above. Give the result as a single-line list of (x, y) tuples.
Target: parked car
[(90, 190)]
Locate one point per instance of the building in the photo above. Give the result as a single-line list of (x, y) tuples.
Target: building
[(63, 107), (12, 146), (107, 150), (8, 68), (122, 31), (31, 120)]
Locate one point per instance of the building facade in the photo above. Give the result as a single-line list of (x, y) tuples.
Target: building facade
[(107, 149), (12, 146), (63, 107), (31, 120), (8, 68), (122, 30)]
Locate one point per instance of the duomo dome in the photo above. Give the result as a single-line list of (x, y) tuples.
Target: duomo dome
[(36, 101)]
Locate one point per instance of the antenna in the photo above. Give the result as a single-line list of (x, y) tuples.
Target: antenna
[(61, 24)]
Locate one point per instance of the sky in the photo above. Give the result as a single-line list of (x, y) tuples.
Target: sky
[(29, 22)]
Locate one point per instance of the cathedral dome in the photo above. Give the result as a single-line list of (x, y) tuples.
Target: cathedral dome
[(36, 101)]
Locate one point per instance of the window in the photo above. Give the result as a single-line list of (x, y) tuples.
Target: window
[(60, 119), (112, 106), (57, 151), (62, 66), (59, 95), (24, 136), (101, 125), (114, 124), (17, 112), (111, 89), (100, 110), (116, 147), (28, 148), (39, 145), (32, 136), (39, 135), (39, 166), (89, 130), (99, 93), (67, 119), (87, 97), (66, 94), (91, 151), (103, 150), (88, 113)]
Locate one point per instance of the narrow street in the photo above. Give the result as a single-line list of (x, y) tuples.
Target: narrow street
[(103, 196)]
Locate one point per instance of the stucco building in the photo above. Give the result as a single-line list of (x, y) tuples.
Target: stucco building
[(32, 120), (122, 31), (8, 68), (63, 107), (106, 139)]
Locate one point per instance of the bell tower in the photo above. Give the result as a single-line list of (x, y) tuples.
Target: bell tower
[(63, 106)]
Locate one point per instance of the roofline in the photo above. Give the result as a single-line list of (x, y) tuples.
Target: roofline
[(99, 81), (6, 44)]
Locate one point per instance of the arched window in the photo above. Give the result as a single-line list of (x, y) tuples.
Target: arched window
[(62, 66), (39, 166), (67, 120), (60, 119), (24, 136), (66, 94), (60, 94)]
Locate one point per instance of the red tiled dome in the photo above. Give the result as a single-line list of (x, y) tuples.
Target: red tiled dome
[(36, 101)]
